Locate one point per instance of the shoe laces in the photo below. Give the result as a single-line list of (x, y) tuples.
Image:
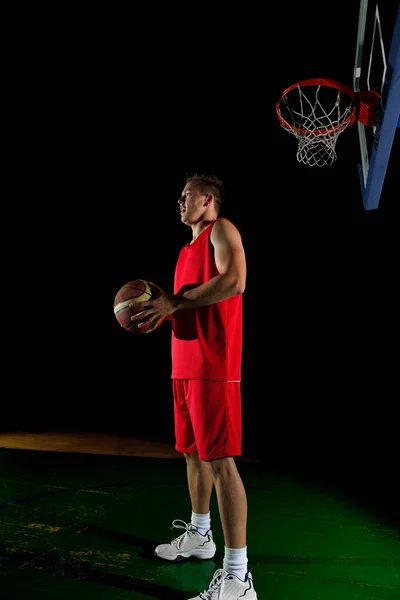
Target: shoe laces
[(189, 529), (215, 584)]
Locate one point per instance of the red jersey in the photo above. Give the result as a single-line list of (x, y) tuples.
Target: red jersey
[(207, 340)]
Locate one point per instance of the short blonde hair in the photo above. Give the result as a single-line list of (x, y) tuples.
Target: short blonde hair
[(209, 184)]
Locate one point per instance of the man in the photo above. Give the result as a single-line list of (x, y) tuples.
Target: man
[(206, 314)]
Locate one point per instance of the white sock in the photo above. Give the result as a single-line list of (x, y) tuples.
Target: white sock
[(235, 562), (201, 522)]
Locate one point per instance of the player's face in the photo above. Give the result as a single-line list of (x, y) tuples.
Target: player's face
[(192, 204)]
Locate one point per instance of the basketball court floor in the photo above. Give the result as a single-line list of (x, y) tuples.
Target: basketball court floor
[(80, 516)]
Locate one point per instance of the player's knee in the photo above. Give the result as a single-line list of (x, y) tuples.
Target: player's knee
[(221, 466)]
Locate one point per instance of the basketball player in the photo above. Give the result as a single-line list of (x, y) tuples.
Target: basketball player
[(206, 314)]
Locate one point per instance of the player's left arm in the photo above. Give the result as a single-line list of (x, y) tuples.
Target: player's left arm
[(230, 261)]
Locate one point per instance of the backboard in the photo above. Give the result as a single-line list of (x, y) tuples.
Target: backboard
[(316, 111), (377, 66)]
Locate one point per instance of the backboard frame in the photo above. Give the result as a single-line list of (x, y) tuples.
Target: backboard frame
[(373, 167)]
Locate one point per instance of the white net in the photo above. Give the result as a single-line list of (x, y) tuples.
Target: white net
[(316, 115)]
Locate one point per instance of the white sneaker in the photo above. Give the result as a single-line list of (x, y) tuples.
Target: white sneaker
[(225, 586), (190, 543)]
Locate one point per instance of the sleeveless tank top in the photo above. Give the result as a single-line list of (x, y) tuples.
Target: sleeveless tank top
[(207, 340)]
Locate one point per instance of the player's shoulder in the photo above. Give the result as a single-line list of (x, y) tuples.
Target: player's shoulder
[(223, 227)]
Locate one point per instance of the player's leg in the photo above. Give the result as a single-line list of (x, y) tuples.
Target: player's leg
[(232, 501), (199, 479), (197, 540), (200, 484), (217, 423)]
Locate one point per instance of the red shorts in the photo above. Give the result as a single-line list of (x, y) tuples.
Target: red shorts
[(208, 418)]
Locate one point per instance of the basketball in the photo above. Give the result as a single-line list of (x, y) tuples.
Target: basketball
[(138, 290)]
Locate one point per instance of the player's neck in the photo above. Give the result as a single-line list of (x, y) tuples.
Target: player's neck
[(198, 228)]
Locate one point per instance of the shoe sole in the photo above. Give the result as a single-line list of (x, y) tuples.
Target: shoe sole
[(201, 555)]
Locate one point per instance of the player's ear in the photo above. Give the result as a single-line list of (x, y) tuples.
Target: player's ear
[(209, 198)]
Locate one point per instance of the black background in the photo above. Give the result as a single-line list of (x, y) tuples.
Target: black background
[(114, 119)]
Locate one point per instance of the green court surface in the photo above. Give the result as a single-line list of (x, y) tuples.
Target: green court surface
[(81, 526)]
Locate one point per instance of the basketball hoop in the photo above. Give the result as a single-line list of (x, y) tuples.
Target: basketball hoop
[(317, 111)]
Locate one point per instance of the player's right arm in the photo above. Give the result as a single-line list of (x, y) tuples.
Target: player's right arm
[(231, 279), (230, 261)]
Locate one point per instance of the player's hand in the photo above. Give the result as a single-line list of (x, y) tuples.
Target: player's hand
[(155, 310)]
